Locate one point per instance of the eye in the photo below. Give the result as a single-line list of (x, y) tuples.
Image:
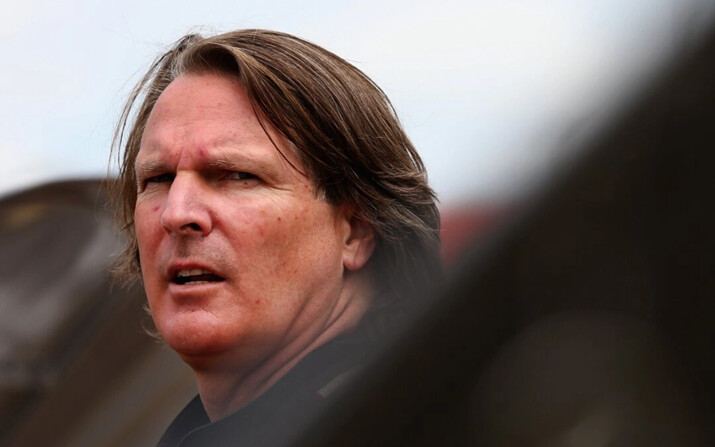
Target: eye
[(161, 178), (239, 175), (154, 179)]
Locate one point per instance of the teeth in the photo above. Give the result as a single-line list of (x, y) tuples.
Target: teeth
[(192, 272)]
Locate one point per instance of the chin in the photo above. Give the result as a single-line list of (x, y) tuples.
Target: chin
[(193, 335)]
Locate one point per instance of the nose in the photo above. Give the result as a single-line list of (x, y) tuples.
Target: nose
[(186, 210)]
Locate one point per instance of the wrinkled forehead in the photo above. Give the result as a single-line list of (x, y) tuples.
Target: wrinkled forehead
[(213, 110)]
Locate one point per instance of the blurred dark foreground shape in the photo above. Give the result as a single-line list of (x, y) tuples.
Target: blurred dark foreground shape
[(590, 319), (587, 319)]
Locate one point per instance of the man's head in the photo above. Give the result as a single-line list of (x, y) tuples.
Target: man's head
[(242, 261), (257, 160)]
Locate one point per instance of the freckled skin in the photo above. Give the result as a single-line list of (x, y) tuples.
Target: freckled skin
[(282, 283)]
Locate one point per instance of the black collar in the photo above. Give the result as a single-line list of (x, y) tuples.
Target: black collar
[(276, 415)]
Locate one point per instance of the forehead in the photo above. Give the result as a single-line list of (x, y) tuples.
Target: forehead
[(209, 112)]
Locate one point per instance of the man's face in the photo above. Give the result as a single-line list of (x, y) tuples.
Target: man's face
[(239, 259)]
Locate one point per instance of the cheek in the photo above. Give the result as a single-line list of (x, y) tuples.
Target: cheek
[(275, 237), (309, 236), (147, 226)]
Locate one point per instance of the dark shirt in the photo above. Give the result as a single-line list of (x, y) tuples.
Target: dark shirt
[(276, 416)]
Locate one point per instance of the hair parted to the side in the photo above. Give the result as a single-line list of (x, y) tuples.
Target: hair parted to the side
[(341, 125)]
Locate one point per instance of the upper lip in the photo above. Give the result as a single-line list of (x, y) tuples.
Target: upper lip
[(192, 272), (190, 268)]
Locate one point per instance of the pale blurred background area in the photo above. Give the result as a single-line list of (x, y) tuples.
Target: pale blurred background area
[(497, 96), (487, 90)]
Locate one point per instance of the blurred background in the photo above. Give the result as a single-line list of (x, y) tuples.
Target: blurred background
[(496, 95), (487, 90)]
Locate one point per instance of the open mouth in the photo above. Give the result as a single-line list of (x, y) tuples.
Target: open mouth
[(195, 276)]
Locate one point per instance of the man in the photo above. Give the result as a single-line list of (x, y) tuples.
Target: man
[(279, 218)]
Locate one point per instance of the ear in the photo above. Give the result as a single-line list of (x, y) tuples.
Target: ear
[(358, 241)]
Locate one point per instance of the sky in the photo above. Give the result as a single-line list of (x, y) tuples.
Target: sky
[(485, 89)]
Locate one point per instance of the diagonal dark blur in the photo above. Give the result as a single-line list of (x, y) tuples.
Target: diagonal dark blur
[(589, 319)]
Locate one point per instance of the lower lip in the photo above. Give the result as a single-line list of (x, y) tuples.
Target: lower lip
[(194, 288)]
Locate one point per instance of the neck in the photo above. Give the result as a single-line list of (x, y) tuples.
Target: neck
[(225, 387)]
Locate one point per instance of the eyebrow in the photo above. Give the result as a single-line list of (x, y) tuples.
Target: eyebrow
[(224, 163), (148, 166)]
